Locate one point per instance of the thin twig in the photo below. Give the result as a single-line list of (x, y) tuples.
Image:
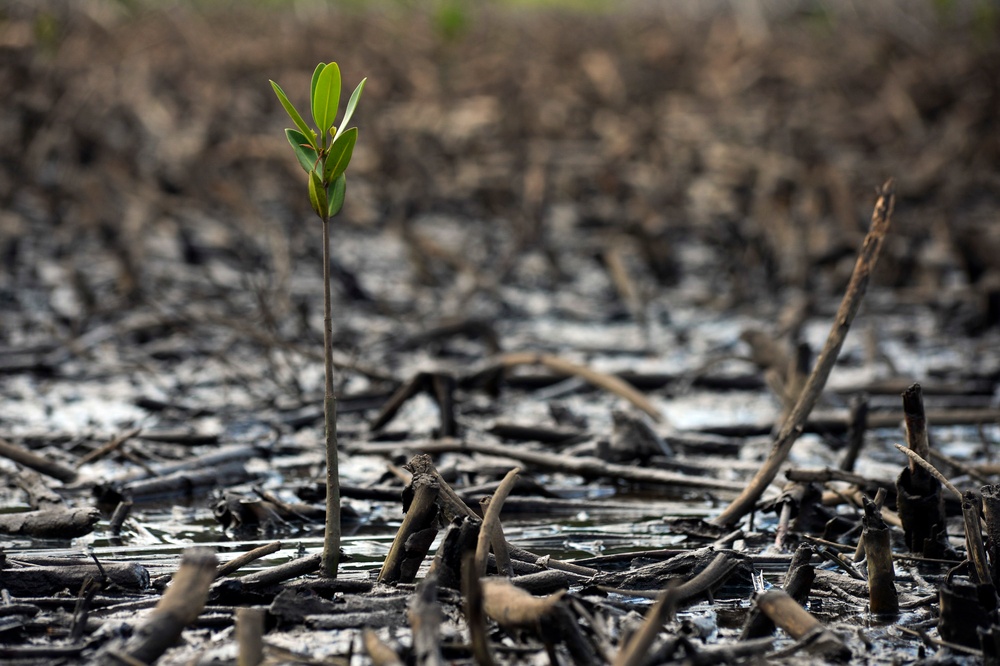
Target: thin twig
[(930, 469), (490, 529), (793, 425)]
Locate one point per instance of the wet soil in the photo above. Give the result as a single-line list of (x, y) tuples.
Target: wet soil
[(671, 197)]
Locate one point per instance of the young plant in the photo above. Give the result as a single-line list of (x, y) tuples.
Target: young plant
[(324, 154)]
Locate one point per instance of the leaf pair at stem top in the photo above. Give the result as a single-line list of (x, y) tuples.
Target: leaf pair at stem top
[(325, 154)]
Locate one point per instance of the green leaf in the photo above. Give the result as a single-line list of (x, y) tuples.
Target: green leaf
[(351, 105), (303, 149), (315, 77), (295, 115), (326, 98), (340, 155), (317, 195), (335, 193)]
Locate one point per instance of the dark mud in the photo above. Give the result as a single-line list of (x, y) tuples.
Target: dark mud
[(673, 198)]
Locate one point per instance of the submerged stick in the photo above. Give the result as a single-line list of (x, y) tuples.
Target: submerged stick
[(793, 425)]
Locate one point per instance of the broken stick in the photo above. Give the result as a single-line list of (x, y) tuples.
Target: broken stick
[(792, 427)]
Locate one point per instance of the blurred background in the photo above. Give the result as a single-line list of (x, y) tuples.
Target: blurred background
[(589, 160)]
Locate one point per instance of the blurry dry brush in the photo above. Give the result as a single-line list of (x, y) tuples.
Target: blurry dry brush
[(138, 146)]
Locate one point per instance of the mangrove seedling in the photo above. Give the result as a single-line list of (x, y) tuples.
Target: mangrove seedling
[(324, 154)]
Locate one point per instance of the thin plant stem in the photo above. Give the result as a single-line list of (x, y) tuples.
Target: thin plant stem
[(331, 538)]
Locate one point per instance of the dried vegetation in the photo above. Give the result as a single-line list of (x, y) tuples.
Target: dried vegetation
[(598, 248)]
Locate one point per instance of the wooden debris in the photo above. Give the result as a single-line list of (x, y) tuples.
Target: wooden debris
[(607, 382), (588, 467), (250, 636), (472, 594), (514, 608), (24, 577), (380, 653), (801, 625), (61, 523), (792, 426), (178, 608), (36, 462), (491, 532), (425, 620), (882, 596), (413, 540)]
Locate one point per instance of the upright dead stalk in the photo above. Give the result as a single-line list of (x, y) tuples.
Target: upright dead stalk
[(915, 419), (792, 427), (882, 596), (490, 532)]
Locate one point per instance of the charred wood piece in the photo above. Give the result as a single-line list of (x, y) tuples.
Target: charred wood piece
[(882, 596), (50, 523), (40, 464), (415, 535), (964, 610), (802, 625), (179, 607), (440, 386), (797, 583), (991, 511), (425, 621), (918, 493), (45, 576)]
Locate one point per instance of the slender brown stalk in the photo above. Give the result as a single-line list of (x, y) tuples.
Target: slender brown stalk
[(931, 469), (242, 560), (792, 427), (975, 549), (475, 617), (491, 531), (331, 539)]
